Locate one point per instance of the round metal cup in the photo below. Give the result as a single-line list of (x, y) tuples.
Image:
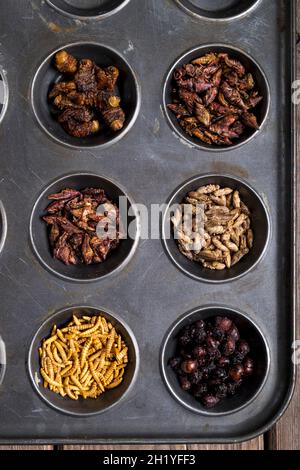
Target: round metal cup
[(2, 360), (3, 226), (81, 407), (47, 75), (115, 261), (260, 222), (4, 94), (259, 352), (218, 10), (262, 85), (88, 9)]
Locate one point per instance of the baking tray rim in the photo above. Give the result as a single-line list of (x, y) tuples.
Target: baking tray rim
[(294, 373)]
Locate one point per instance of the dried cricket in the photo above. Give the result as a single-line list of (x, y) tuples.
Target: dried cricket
[(86, 95), (83, 359), (213, 99), (212, 226)]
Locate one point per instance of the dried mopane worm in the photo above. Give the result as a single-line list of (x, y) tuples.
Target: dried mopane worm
[(83, 359), (86, 97), (213, 227)]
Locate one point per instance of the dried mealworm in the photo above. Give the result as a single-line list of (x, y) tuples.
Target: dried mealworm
[(84, 358)]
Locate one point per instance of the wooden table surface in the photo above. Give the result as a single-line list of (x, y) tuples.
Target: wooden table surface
[(286, 434)]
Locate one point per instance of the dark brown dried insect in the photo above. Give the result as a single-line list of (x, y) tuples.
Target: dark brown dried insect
[(88, 98), (217, 91), (201, 369), (72, 219)]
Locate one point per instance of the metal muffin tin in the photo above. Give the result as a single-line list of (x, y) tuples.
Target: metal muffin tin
[(151, 161)]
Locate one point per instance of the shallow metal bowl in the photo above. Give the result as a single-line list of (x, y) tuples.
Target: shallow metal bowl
[(262, 85), (107, 400), (259, 352), (116, 260), (3, 226), (4, 94), (260, 221), (218, 10), (88, 9), (47, 75)]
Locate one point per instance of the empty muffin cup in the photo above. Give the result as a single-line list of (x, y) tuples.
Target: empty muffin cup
[(47, 75), (261, 85), (88, 9), (4, 93), (260, 223), (116, 259), (89, 406), (259, 352), (218, 10), (3, 226)]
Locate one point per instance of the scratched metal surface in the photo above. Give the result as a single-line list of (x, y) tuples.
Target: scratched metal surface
[(150, 162)]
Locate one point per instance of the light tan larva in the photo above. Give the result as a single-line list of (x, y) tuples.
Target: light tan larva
[(83, 359)]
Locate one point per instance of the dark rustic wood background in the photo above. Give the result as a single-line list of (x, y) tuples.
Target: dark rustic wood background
[(286, 434)]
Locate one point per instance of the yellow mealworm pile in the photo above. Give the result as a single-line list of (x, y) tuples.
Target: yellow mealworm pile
[(83, 359)]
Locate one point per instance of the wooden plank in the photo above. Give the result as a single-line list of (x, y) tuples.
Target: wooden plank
[(126, 447), (286, 434), (26, 448), (254, 444)]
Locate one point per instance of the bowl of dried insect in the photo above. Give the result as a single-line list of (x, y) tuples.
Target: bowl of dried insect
[(84, 227), (85, 95), (88, 9), (216, 228), (215, 360), (83, 360), (218, 10), (216, 97), (3, 226)]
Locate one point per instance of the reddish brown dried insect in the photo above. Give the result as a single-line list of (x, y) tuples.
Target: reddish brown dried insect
[(213, 97), (72, 219)]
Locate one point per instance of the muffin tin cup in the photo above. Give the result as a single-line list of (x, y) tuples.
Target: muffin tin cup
[(117, 258), (2, 360), (260, 221), (88, 9), (4, 94), (262, 85), (259, 352), (46, 75), (221, 10), (3, 226), (88, 407)]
